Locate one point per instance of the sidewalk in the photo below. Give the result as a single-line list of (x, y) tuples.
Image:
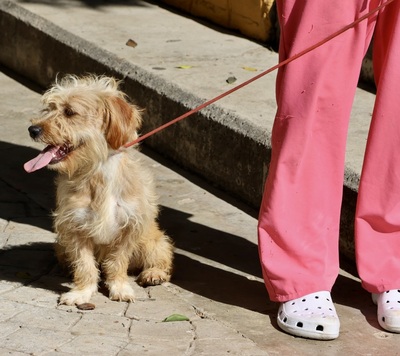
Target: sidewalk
[(217, 282)]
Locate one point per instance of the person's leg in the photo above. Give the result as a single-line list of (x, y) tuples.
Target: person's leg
[(378, 207), (300, 211)]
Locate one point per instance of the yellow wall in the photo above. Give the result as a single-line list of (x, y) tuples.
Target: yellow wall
[(250, 17)]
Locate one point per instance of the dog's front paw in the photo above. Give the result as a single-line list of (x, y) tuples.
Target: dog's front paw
[(76, 296), (121, 291), (153, 277)]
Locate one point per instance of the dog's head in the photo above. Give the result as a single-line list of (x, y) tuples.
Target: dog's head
[(83, 120)]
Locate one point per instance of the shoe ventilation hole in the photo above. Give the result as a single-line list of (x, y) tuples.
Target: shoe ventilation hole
[(316, 297), (284, 320), (293, 303), (318, 328), (383, 319), (319, 307), (303, 300)]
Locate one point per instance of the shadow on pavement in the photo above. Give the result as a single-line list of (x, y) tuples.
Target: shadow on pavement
[(23, 196), (29, 199)]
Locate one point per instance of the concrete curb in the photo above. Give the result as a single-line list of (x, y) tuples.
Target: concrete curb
[(217, 144)]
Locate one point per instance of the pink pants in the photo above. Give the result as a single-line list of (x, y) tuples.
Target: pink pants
[(300, 211)]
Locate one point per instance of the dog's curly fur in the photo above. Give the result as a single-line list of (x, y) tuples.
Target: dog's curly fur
[(106, 211)]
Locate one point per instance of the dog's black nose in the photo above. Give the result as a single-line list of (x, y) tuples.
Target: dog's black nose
[(35, 131)]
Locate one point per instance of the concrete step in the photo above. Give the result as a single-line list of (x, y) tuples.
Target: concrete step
[(173, 64)]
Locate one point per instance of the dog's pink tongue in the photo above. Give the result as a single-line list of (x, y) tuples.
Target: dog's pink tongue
[(42, 160)]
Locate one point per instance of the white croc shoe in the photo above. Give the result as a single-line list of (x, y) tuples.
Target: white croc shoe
[(388, 309), (312, 316)]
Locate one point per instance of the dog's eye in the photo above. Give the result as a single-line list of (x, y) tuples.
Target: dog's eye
[(68, 112)]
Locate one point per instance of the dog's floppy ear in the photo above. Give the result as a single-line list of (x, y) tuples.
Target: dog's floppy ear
[(122, 121)]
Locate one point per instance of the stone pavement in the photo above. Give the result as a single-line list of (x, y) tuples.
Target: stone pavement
[(217, 282)]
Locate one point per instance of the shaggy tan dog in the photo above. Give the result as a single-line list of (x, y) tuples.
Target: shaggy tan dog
[(106, 207)]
